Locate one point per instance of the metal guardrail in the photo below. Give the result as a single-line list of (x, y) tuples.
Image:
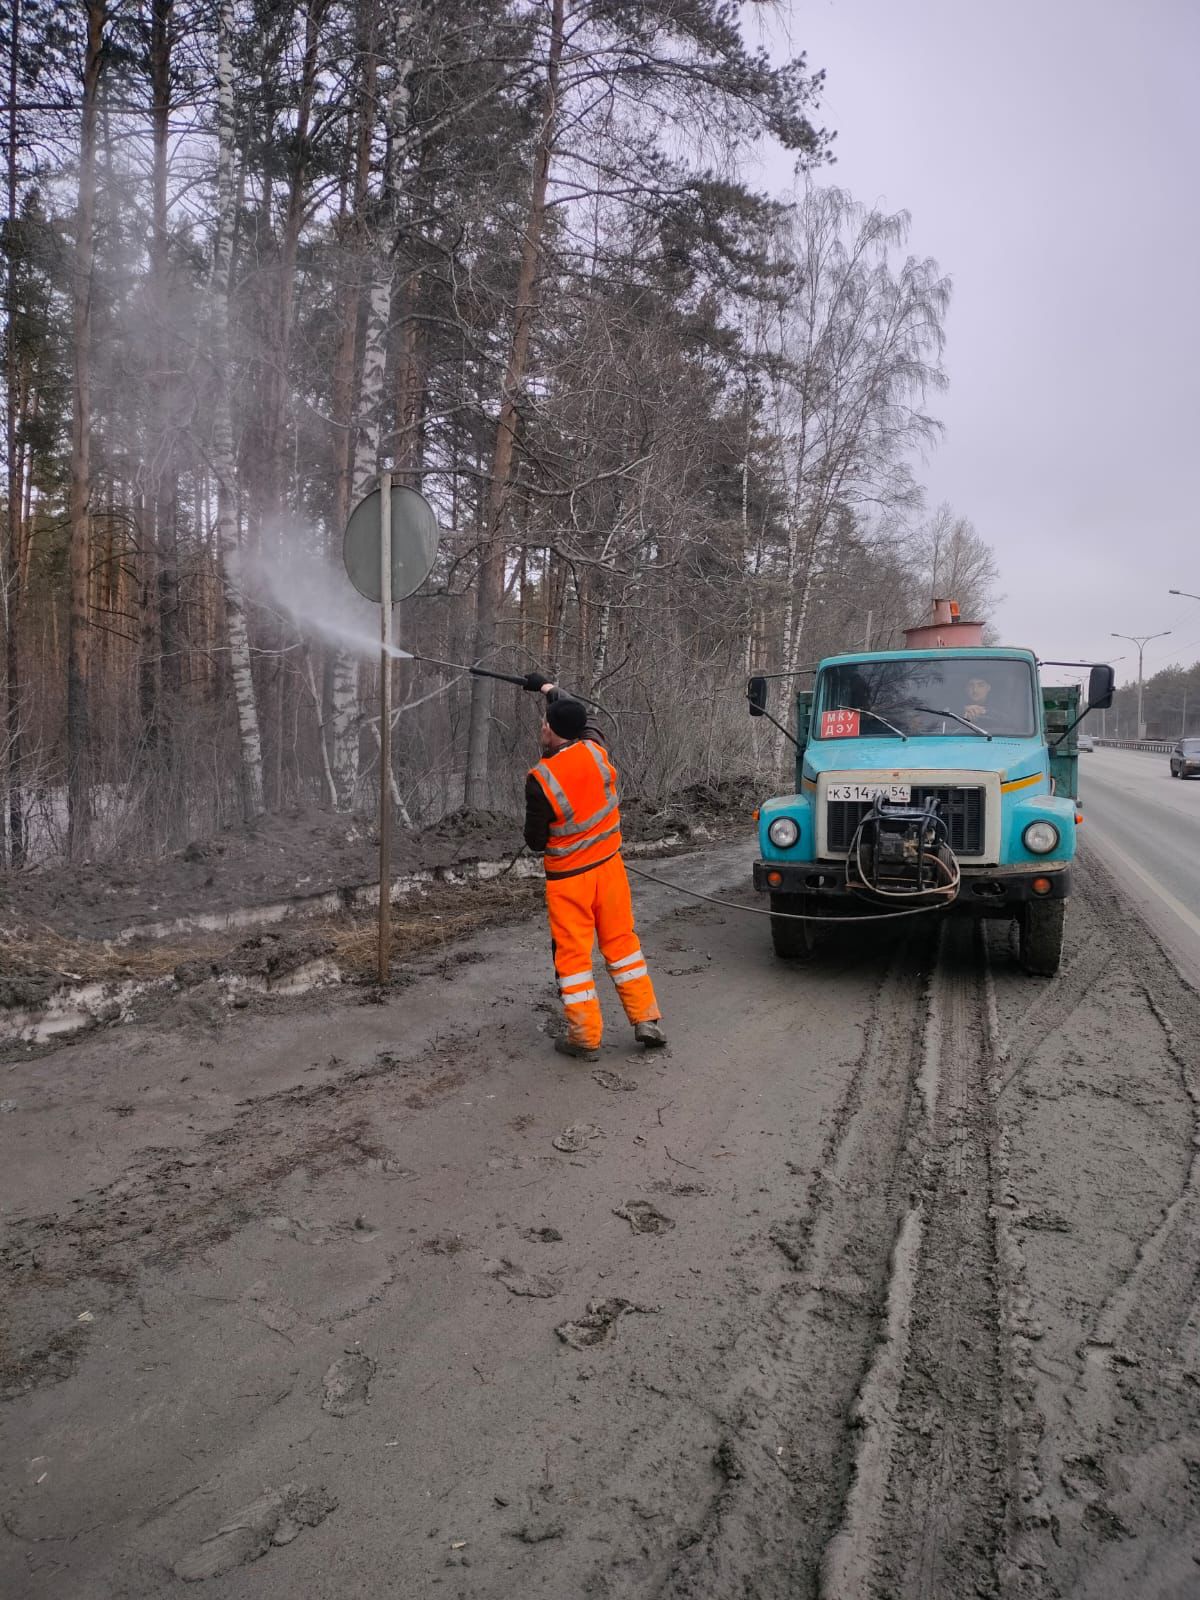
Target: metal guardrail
[(1160, 747)]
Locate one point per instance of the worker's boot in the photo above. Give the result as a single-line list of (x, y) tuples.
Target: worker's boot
[(650, 1034), (581, 1052)]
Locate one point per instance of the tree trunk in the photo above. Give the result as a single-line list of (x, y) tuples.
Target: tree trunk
[(490, 596), (10, 570), (163, 510), (342, 668), (275, 423), (152, 579), (409, 386), (240, 673), (79, 560), (275, 428), (371, 397)]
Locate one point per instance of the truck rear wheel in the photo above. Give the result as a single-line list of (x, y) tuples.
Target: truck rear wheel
[(1042, 924), (793, 941)]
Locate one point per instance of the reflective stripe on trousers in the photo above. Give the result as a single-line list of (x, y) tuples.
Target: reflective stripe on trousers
[(597, 905)]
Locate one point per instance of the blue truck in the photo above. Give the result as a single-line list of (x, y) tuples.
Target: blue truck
[(940, 776)]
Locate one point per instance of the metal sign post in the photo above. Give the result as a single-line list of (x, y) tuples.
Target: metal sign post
[(389, 547), (385, 726)]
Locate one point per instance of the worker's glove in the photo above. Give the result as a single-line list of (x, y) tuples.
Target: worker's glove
[(535, 682)]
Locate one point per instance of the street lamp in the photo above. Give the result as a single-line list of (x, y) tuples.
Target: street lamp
[(1141, 643), (1112, 661), (1187, 593)]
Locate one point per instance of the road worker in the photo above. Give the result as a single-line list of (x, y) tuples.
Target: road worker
[(573, 820)]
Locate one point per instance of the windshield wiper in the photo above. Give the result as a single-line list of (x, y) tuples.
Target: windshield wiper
[(876, 716), (943, 711)]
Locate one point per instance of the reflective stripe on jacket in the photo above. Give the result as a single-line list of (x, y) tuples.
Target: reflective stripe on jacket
[(580, 783)]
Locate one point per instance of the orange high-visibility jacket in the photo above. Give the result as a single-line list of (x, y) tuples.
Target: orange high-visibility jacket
[(580, 783)]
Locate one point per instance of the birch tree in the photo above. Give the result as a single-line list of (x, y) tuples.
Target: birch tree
[(223, 456), (380, 255), (953, 562), (853, 349)]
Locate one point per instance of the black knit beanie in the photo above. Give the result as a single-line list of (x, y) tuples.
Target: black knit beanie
[(567, 718)]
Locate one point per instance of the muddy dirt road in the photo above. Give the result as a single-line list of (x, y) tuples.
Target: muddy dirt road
[(881, 1282)]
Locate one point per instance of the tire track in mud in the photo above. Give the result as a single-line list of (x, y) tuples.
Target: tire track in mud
[(924, 1515), (787, 1453), (1154, 1290), (1112, 1480)]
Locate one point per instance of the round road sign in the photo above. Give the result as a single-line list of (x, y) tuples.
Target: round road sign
[(414, 543)]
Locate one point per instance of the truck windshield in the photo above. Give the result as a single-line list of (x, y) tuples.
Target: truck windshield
[(925, 696)]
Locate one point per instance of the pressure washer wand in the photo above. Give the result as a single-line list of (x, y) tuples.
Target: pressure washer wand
[(501, 677), (458, 666)]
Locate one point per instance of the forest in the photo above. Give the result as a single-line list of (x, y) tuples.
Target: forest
[(1170, 707), (515, 253)]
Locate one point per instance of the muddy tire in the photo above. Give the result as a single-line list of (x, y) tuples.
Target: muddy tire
[(1041, 926), (793, 941)]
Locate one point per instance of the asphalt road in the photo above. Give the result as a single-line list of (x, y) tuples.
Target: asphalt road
[(1146, 827), (878, 1284)]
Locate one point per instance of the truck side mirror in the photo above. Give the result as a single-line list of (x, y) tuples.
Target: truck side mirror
[(1101, 685), (756, 693)]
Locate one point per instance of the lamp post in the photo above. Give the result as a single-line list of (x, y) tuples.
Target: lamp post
[(1104, 714), (1187, 594), (1141, 643)]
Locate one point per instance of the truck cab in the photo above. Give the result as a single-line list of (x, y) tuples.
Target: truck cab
[(939, 777)]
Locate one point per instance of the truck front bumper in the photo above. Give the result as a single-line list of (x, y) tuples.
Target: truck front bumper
[(986, 891)]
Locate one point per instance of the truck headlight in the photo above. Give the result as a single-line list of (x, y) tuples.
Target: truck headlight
[(783, 832), (1041, 838)]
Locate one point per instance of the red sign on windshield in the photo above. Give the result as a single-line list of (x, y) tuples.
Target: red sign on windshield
[(839, 724)]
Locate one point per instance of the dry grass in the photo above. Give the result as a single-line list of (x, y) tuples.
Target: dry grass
[(424, 925), (46, 954), (428, 926)]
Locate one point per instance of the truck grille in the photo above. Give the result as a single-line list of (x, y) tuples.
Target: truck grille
[(961, 809)]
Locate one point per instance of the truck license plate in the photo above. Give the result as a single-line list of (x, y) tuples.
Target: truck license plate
[(900, 792)]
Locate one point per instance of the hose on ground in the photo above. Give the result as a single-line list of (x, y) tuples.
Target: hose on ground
[(786, 916)]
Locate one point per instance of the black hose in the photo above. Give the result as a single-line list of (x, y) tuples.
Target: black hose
[(787, 916)]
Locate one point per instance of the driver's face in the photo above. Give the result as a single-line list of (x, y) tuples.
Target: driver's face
[(978, 690)]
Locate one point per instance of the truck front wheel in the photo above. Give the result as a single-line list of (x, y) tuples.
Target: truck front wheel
[(793, 940), (1042, 924)]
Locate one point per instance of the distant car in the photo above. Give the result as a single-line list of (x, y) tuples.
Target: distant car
[(1085, 742), (1185, 759)]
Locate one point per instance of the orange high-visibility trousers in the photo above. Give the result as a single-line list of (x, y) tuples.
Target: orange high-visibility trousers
[(596, 905)]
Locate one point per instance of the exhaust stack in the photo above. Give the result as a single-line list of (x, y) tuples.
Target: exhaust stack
[(944, 631)]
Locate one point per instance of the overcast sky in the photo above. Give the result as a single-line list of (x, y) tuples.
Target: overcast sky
[(1049, 152)]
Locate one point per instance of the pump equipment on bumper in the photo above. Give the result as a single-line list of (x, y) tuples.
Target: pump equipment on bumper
[(573, 820)]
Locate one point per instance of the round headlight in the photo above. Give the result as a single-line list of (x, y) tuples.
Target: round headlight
[(1040, 837), (783, 832)]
